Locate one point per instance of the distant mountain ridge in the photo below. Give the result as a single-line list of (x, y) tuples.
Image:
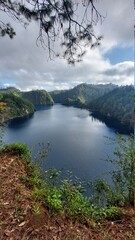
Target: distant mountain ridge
[(85, 92)]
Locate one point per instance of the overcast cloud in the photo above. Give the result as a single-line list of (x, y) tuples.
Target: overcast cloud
[(26, 66)]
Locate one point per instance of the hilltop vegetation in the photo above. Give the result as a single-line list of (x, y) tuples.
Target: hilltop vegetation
[(12, 90), (14, 106), (109, 100), (118, 104), (38, 97), (15, 103), (85, 92)]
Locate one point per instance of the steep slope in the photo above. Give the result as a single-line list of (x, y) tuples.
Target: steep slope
[(14, 106), (38, 97), (84, 93), (24, 218), (118, 104)]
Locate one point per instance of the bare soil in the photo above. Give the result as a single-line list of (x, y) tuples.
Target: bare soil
[(18, 221)]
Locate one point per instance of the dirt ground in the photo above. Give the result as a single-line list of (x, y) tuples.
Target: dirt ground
[(19, 221)]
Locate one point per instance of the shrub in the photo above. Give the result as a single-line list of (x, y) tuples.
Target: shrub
[(20, 149)]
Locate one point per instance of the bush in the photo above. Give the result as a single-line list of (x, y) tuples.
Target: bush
[(20, 149)]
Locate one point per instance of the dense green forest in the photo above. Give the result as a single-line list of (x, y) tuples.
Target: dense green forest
[(83, 92), (118, 104), (38, 97), (14, 106), (12, 90), (108, 100)]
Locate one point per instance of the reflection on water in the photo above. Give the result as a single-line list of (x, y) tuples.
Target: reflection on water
[(112, 123), (77, 140)]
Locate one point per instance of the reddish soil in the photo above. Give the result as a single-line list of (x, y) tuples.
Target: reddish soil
[(19, 222)]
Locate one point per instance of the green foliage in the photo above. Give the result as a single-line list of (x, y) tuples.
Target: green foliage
[(11, 90), (54, 198), (100, 190), (122, 191), (67, 198), (36, 209), (110, 212), (1, 96), (109, 100), (51, 176), (66, 195), (19, 148), (81, 94), (17, 105), (76, 205), (1, 138), (38, 97), (118, 104), (123, 176)]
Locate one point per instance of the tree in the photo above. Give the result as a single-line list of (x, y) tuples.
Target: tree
[(124, 175), (59, 21)]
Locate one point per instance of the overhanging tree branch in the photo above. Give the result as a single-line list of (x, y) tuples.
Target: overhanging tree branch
[(59, 20)]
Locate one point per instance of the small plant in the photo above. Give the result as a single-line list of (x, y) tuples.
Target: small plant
[(36, 209), (18, 197), (53, 199), (75, 204), (51, 176), (112, 213)]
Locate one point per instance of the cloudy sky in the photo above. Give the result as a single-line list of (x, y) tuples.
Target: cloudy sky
[(25, 65)]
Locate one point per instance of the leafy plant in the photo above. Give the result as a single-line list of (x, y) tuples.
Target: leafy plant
[(123, 177), (36, 209), (53, 199)]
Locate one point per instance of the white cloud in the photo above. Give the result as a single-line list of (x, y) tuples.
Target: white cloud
[(25, 65)]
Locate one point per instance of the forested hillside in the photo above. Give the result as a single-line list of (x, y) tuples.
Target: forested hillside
[(109, 100), (83, 93), (12, 90), (38, 97), (13, 106), (118, 104)]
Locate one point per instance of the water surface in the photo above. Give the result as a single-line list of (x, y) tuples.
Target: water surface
[(78, 142)]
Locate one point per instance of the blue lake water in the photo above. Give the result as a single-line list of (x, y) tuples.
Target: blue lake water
[(78, 142)]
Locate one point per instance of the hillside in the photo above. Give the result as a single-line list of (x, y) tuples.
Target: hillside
[(118, 104), (12, 90), (85, 92), (23, 217), (38, 97), (13, 106), (108, 100)]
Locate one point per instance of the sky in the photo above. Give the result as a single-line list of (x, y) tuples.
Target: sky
[(26, 66)]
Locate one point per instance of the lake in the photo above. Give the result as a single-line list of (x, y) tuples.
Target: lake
[(78, 142)]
